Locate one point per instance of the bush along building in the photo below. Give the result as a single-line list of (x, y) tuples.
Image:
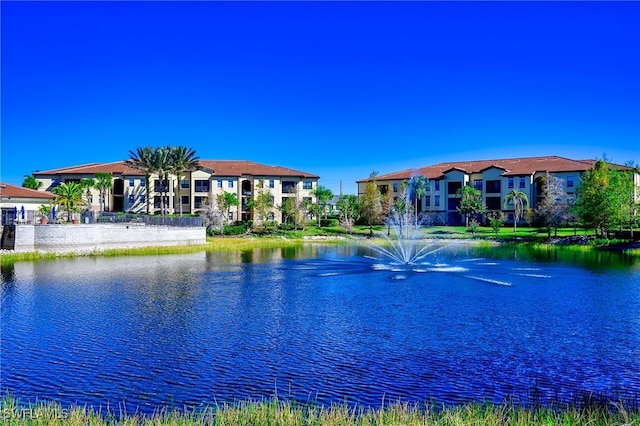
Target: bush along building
[(192, 192), (495, 180)]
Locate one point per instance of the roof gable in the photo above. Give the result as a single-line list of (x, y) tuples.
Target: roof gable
[(511, 167), (12, 191)]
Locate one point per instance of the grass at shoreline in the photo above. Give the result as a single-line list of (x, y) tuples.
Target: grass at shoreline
[(326, 235), (286, 413)]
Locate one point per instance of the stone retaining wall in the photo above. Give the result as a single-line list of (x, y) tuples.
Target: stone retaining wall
[(88, 237)]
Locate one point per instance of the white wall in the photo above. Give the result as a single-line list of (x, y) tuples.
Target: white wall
[(70, 237)]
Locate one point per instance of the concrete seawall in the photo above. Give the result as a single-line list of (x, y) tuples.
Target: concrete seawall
[(88, 237)]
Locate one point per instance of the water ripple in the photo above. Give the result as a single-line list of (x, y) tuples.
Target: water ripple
[(188, 331)]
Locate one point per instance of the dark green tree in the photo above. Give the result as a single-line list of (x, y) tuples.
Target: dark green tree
[(471, 203), (371, 203), (31, 182), (69, 197), (597, 204)]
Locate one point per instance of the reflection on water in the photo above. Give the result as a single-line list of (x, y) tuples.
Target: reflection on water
[(318, 323)]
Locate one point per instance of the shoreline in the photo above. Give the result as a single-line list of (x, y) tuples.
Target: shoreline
[(249, 242)]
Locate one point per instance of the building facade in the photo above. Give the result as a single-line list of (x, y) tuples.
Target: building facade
[(193, 192), (495, 179), (21, 204)]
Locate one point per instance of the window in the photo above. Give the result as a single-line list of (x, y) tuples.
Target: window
[(307, 200), (156, 202), (185, 199), (132, 198), (307, 184), (143, 198), (428, 200), (143, 182), (437, 201), (230, 182), (198, 201), (493, 203), (219, 183), (201, 186), (395, 187), (132, 182), (452, 187), (522, 183), (437, 186), (569, 181), (184, 184), (288, 186), (272, 183), (477, 184), (492, 187), (230, 216), (510, 184), (160, 186), (272, 216)]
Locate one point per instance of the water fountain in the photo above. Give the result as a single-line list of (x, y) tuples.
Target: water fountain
[(404, 236), (407, 249)]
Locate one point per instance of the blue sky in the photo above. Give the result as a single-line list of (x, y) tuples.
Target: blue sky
[(339, 89)]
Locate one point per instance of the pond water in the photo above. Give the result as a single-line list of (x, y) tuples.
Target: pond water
[(320, 324)]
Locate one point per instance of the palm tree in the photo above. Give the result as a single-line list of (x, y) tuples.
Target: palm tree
[(323, 195), (87, 184), (69, 197), (520, 202), (104, 182), (419, 184), (182, 159), (143, 159), (162, 166), (31, 182)]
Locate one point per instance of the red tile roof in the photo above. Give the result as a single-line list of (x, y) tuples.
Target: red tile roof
[(511, 167), (230, 168), (116, 168), (11, 191), (243, 167)]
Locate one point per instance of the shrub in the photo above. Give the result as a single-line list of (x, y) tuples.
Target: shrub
[(329, 222), (473, 226)]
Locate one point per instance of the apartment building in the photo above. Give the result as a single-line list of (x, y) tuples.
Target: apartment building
[(193, 191), (494, 178)]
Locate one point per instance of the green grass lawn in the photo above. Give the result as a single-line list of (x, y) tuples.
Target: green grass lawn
[(283, 413)]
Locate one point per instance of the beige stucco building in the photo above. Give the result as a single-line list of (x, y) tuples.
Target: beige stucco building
[(494, 178), (194, 189)]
